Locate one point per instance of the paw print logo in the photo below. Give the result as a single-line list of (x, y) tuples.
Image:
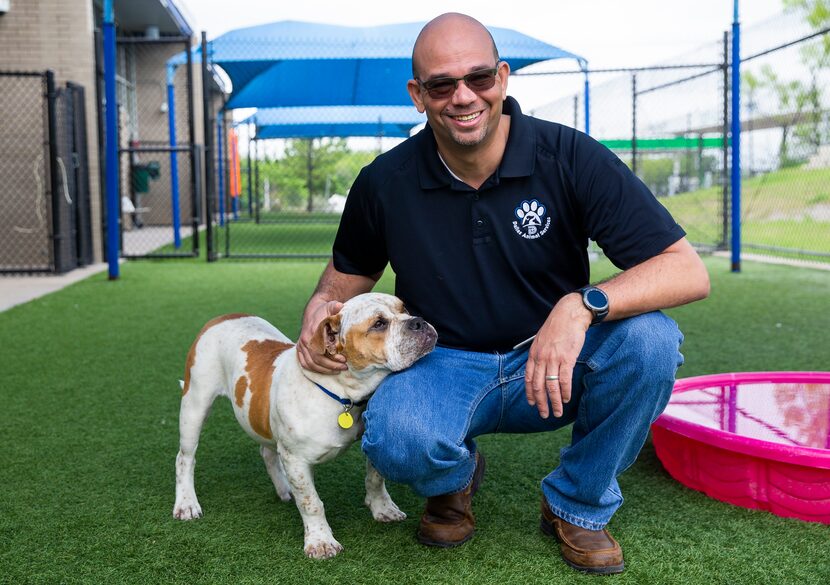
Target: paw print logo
[(532, 223), (530, 213)]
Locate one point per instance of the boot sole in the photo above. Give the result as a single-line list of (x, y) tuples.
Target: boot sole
[(547, 529), (441, 543)]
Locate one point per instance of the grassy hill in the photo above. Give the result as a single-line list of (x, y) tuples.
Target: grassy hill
[(789, 208)]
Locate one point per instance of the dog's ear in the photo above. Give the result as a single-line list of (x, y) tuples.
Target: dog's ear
[(326, 339)]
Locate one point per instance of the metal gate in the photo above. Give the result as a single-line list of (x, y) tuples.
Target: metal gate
[(45, 221), (158, 162)]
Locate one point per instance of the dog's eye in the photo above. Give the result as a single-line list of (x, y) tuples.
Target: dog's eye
[(379, 325)]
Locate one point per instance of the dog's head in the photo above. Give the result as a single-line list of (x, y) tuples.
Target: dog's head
[(375, 332)]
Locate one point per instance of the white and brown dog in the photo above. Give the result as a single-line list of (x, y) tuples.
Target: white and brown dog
[(299, 418)]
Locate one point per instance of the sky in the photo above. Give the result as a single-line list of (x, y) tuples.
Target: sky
[(609, 33)]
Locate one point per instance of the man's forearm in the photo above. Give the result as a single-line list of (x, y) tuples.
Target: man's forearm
[(674, 277)]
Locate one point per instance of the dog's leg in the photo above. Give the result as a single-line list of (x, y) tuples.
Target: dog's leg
[(319, 541), (275, 471), (378, 499), (194, 409)]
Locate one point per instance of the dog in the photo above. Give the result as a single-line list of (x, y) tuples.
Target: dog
[(298, 417)]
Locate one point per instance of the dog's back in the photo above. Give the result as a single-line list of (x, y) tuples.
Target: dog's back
[(234, 356)]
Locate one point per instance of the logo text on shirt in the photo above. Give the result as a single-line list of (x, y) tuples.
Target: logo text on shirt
[(531, 223)]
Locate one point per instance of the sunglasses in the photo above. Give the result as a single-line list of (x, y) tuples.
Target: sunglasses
[(443, 87)]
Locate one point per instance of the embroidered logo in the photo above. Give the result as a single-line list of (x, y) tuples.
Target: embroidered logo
[(531, 223)]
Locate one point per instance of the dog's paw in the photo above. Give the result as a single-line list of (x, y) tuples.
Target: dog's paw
[(284, 494), (322, 549), (385, 510), (187, 510)]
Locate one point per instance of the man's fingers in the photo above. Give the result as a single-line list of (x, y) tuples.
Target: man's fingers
[(540, 392), (321, 364), (566, 382), (554, 394)]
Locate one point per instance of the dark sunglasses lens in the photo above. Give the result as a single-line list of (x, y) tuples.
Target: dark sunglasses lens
[(480, 81), (440, 88)]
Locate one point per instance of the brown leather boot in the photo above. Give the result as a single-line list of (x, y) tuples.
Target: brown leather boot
[(590, 551), (448, 519)]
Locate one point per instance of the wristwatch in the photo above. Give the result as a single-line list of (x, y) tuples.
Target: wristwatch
[(596, 301)]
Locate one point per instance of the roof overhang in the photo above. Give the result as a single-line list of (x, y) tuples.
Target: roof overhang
[(135, 16)]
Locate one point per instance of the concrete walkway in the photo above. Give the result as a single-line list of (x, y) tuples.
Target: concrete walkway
[(16, 290)]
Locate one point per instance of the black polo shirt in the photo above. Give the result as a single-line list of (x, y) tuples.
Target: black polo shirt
[(486, 266)]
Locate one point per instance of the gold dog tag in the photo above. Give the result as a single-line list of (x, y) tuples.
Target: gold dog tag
[(345, 420)]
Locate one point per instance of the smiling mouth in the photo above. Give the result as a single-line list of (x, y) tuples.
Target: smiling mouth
[(466, 117)]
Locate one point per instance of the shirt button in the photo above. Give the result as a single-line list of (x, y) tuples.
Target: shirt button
[(479, 222)]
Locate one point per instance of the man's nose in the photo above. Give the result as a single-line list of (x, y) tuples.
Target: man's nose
[(463, 94)]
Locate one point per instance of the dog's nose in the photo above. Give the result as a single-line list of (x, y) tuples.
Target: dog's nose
[(415, 324)]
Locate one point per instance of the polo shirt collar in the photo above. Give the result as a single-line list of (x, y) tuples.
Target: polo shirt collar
[(518, 160)]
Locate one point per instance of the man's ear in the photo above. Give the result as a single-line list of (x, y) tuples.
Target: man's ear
[(414, 89), (504, 74), (326, 338)]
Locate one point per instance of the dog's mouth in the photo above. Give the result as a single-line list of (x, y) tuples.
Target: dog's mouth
[(415, 345)]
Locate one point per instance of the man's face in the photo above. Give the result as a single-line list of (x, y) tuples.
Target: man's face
[(466, 117)]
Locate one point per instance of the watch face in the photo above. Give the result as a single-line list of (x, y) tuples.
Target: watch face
[(596, 299)]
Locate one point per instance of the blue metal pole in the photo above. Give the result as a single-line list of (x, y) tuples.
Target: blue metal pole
[(174, 160), (736, 141), (587, 99), (220, 171), (111, 143)]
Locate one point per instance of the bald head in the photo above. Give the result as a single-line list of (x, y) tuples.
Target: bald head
[(451, 27)]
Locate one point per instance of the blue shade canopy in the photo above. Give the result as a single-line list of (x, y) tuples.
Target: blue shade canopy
[(290, 63), (339, 121)]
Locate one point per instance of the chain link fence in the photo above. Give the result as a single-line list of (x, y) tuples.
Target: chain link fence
[(785, 140), (278, 187), (158, 159), (45, 224), (670, 123)]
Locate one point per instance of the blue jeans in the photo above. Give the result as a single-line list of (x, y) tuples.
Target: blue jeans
[(420, 424)]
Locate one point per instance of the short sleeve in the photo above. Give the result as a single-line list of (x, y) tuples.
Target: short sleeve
[(621, 214), (360, 244)]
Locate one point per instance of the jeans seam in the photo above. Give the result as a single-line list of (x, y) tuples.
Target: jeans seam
[(503, 384), (474, 405)]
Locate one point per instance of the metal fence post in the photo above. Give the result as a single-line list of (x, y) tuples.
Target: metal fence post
[(250, 186), (208, 130), (256, 180), (725, 173), (191, 132), (634, 123), (54, 176), (736, 141), (112, 189)]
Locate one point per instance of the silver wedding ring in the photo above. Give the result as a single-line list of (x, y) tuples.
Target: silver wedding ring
[(551, 377)]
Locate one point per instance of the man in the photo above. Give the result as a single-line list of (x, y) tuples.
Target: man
[(485, 217)]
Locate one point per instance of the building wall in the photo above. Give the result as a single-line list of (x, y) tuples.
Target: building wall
[(36, 35)]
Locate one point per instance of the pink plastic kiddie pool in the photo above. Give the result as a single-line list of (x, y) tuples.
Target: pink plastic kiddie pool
[(758, 440)]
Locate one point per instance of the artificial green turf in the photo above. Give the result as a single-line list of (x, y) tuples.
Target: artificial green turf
[(88, 426)]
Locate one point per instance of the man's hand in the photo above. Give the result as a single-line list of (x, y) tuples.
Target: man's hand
[(554, 353), (309, 358)]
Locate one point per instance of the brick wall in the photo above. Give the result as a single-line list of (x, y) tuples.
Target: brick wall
[(58, 34)]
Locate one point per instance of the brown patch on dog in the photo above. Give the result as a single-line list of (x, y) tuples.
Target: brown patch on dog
[(191, 354), (364, 347), (239, 390), (259, 366)]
